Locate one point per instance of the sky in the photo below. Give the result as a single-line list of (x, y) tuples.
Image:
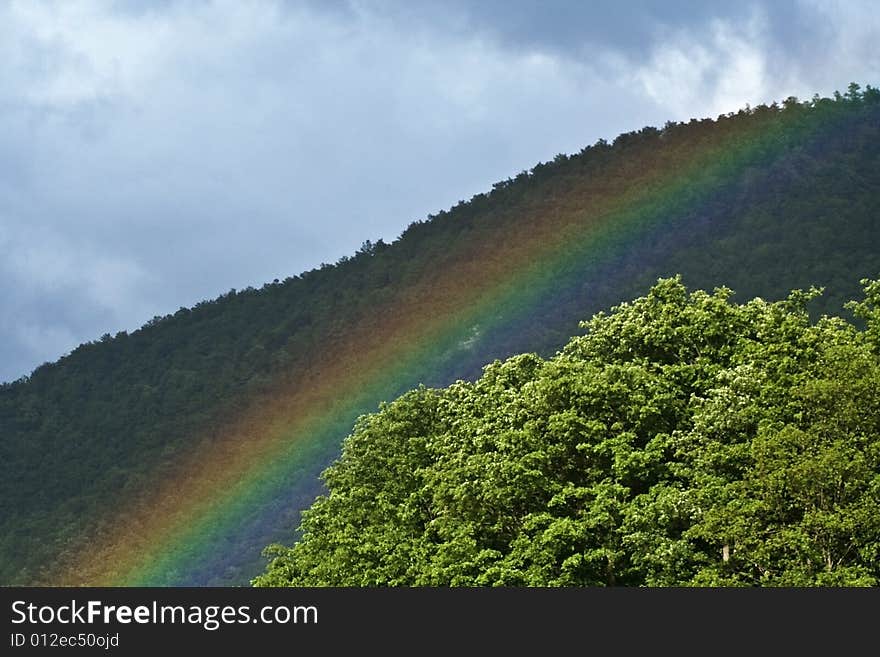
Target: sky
[(157, 153)]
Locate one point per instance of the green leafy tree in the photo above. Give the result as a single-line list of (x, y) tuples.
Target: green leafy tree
[(682, 440)]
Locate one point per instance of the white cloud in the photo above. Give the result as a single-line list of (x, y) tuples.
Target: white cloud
[(849, 51), (709, 72)]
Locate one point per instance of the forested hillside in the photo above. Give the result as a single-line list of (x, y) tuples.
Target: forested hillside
[(143, 428), (684, 440)]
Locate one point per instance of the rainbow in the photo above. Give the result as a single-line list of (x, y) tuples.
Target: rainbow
[(235, 489)]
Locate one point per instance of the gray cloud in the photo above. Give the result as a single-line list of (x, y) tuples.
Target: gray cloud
[(159, 153)]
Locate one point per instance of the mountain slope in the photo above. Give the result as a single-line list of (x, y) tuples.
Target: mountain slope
[(175, 453)]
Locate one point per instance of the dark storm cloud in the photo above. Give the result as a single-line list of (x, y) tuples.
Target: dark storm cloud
[(632, 27), (156, 153), (792, 31)]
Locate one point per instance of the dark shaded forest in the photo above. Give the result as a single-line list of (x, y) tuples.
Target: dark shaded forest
[(82, 436)]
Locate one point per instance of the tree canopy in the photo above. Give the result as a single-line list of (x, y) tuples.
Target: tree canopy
[(683, 439)]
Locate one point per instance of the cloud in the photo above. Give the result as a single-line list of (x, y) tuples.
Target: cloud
[(54, 290), (717, 70), (762, 56), (845, 47), (160, 153)]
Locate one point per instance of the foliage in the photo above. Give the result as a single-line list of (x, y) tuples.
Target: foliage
[(683, 440)]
